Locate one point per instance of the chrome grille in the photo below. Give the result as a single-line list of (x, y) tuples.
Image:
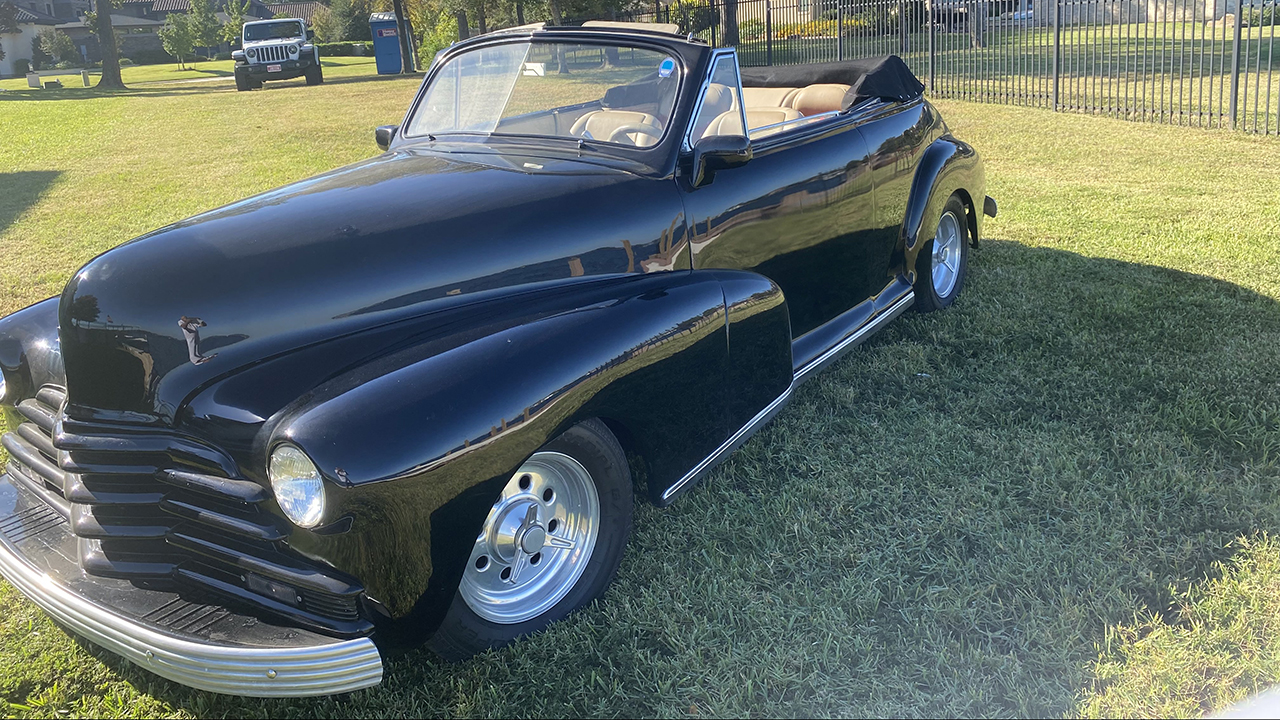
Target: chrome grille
[(149, 504), (271, 53)]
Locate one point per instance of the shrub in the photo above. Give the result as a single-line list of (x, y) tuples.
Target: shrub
[(344, 49), (22, 66), (64, 65), (58, 46), (125, 61), (1261, 17), (222, 56), (151, 57), (752, 29)]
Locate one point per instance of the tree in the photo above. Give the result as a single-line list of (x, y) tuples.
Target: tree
[(177, 37), (203, 24), (439, 35), (101, 19), (237, 12), (8, 21), (730, 22), (328, 27), (58, 46)]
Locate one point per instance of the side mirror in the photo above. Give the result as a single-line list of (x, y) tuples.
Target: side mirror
[(384, 135), (718, 152), (311, 34)]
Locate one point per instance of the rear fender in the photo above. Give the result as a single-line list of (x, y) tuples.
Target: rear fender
[(947, 166)]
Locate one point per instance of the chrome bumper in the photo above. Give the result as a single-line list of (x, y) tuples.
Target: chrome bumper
[(254, 671)]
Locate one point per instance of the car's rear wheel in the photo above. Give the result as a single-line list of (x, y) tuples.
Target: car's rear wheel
[(314, 75), (552, 542), (943, 261)]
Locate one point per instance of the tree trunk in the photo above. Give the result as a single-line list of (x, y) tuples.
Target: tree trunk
[(481, 25), (110, 77), (555, 19), (464, 30), (520, 12), (402, 29), (730, 23)]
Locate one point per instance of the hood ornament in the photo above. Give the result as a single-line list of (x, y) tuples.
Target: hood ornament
[(191, 329)]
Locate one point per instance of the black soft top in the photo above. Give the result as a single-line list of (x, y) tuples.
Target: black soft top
[(886, 77)]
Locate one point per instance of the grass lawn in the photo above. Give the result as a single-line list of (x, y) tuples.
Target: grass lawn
[(1056, 498), (136, 75)]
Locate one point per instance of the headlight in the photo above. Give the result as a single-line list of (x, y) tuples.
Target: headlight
[(297, 485), (293, 49), (251, 52)]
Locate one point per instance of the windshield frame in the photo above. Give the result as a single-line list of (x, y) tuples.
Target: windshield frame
[(683, 71), (302, 29)]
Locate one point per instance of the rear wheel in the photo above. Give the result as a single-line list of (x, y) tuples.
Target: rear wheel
[(552, 543), (943, 261)]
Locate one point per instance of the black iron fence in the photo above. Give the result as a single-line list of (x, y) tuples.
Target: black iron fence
[(1211, 63)]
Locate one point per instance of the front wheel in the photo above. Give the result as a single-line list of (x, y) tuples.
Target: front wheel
[(242, 83), (552, 542), (943, 261), (314, 75)]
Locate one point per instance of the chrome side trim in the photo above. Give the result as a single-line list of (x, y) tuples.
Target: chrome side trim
[(861, 334), (729, 445), (796, 121), (716, 55), (339, 667)]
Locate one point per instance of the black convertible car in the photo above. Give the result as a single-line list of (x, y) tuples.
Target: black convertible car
[(411, 400)]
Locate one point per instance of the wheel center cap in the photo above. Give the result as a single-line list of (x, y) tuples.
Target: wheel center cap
[(533, 539)]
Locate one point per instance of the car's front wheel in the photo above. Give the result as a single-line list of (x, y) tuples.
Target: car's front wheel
[(552, 542), (242, 83), (943, 261), (314, 75)]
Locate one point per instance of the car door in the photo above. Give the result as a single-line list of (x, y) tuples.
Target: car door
[(775, 216)]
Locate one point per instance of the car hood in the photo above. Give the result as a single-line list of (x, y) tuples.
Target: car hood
[(411, 232)]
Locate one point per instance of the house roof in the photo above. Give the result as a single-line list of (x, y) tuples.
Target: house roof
[(302, 10), (27, 16), (117, 21), (171, 6)]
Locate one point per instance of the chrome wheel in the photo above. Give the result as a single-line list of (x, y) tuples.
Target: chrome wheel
[(536, 541), (948, 245)]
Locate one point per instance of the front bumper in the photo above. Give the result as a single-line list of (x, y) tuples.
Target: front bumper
[(205, 646), (289, 69)]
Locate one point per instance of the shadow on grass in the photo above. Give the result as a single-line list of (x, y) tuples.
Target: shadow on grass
[(944, 523), (20, 190)]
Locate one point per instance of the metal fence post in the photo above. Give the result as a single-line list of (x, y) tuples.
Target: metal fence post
[(768, 32), (902, 27), (1057, 51), (839, 29), (1235, 68), (928, 8)]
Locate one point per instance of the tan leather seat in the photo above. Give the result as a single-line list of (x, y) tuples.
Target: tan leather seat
[(601, 124), (820, 98), (728, 123), (718, 100), (754, 97)]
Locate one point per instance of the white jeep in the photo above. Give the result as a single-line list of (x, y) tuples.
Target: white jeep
[(277, 49)]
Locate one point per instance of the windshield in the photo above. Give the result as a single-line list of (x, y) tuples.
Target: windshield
[(273, 30), (607, 93)]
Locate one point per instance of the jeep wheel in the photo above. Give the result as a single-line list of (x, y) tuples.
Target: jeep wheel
[(315, 75), (242, 83)]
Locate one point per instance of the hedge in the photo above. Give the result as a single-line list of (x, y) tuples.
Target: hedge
[(342, 49)]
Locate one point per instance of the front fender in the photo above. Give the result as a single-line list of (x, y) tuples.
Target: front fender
[(947, 166), (30, 354), (415, 446)]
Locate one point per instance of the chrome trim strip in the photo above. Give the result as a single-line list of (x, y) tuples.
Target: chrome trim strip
[(716, 55), (885, 316), (784, 123), (338, 667), (760, 418)]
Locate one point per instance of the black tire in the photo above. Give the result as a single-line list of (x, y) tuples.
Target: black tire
[(927, 297), (242, 83), (255, 84), (464, 633), (314, 75)]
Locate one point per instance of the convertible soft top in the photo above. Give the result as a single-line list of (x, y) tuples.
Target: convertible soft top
[(886, 77)]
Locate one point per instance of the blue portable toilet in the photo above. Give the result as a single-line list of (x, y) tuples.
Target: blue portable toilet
[(386, 42)]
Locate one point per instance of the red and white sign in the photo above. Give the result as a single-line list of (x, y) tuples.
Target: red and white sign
[(273, 68)]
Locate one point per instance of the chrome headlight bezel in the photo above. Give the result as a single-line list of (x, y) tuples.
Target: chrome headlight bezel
[(297, 485), (293, 49)]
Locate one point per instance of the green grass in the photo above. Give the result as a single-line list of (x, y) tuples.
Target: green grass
[(210, 71), (1050, 499)]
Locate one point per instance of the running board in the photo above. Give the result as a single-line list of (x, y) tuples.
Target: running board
[(744, 433)]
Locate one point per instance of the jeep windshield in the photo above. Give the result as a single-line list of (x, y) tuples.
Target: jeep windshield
[(272, 31), (604, 93)]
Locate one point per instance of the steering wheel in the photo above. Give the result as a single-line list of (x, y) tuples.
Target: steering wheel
[(622, 131)]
